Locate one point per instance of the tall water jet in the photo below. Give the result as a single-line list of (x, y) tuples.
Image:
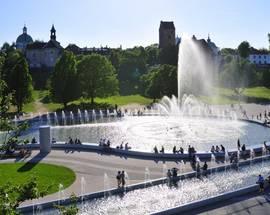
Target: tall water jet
[(86, 116), (79, 116), (71, 116), (55, 118), (63, 117)]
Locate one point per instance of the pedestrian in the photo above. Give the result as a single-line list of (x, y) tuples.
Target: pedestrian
[(123, 178), (261, 183), (118, 178), (238, 144)]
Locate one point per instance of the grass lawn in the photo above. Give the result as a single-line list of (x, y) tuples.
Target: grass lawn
[(44, 104), (46, 174), (41, 103), (120, 100), (227, 96)]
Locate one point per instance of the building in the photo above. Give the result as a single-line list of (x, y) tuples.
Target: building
[(77, 50), (166, 34), (23, 40), (259, 57), (40, 54)]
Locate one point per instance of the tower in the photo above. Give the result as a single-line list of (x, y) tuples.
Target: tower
[(166, 34), (53, 33), (24, 30)]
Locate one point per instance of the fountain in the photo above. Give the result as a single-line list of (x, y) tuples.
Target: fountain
[(94, 115), (107, 186), (61, 193), (86, 116), (71, 117), (63, 118), (83, 185), (79, 116), (55, 119)]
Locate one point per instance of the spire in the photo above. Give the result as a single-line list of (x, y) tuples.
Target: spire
[(208, 39), (53, 33), (24, 29)]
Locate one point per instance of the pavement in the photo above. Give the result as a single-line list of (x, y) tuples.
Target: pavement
[(254, 203), (92, 167)]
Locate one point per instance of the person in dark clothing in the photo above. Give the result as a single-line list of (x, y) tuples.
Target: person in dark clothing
[(238, 144), (174, 149)]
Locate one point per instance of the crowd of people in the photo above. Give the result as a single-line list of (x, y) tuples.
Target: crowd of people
[(76, 141), (217, 149), (104, 142), (124, 146)]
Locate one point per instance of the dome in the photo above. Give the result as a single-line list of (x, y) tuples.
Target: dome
[(24, 38)]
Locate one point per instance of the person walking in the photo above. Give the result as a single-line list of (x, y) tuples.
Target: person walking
[(261, 183), (123, 178), (118, 178)]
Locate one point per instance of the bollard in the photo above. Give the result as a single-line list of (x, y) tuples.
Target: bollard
[(45, 139)]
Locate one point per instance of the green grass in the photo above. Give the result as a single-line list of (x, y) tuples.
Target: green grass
[(227, 96), (220, 96), (46, 174), (42, 96), (120, 100)]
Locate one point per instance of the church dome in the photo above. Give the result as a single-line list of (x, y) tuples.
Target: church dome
[(23, 40)]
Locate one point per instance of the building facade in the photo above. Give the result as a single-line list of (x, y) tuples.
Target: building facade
[(259, 57), (166, 34), (41, 54)]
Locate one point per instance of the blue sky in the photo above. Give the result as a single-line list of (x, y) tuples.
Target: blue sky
[(129, 23)]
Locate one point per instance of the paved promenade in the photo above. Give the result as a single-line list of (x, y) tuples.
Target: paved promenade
[(93, 166)]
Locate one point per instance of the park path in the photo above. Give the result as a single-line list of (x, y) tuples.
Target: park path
[(92, 167)]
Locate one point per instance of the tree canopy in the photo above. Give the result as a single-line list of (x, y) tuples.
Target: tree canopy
[(97, 77), (160, 81), (64, 80), (244, 49)]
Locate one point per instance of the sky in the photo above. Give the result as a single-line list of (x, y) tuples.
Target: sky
[(95, 23)]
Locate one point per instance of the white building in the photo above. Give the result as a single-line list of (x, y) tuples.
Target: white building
[(259, 57)]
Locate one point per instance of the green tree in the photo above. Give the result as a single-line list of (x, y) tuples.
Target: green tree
[(64, 80), (160, 81), (244, 49), (18, 78), (238, 74), (132, 67), (97, 76), (269, 39), (12, 195)]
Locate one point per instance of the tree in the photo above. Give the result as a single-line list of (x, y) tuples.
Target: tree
[(20, 82), (64, 80), (244, 49), (160, 81), (238, 74), (97, 76), (12, 195), (132, 67), (269, 39)]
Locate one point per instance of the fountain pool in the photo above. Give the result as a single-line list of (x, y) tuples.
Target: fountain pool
[(144, 132)]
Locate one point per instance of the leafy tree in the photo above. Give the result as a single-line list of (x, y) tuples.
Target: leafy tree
[(152, 55), (269, 39), (97, 76), (244, 49), (64, 80), (12, 195), (238, 74), (161, 81), (132, 67), (20, 82)]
